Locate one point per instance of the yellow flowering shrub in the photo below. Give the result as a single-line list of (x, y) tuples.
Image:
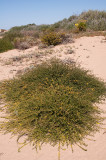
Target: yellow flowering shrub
[(81, 25), (52, 38)]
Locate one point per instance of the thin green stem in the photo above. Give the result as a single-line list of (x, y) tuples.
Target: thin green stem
[(59, 151)]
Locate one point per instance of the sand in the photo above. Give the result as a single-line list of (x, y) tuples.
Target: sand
[(89, 53)]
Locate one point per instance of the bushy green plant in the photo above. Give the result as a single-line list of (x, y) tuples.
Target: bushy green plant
[(81, 25), (97, 24), (24, 42), (7, 42), (20, 40), (12, 35), (5, 45), (96, 20), (73, 17), (53, 103), (54, 27), (52, 38), (43, 27)]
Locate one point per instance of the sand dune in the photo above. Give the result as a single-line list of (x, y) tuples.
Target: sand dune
[(90, 53)]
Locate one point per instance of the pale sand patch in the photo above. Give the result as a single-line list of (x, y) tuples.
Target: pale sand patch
[(90, 53)]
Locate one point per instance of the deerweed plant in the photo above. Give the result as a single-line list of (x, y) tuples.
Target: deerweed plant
[(53, 103), (81, 25)]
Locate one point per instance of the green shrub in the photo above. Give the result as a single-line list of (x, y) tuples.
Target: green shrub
[(24, 42), (7, 42), (53, 103), (18, 29), (70, 26), (54, 27), (81, 25), (5, 45), (43, 27), (73, 17), (96, 20), (12, 35), (97, 24), (52, 38)]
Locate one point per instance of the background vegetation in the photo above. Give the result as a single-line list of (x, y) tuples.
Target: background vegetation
[(24, 37), (5, 45)]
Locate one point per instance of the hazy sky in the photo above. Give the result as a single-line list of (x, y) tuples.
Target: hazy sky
[(22, 12)]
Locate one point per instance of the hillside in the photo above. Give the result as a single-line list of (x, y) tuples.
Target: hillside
[(96, 21), (92, 22)]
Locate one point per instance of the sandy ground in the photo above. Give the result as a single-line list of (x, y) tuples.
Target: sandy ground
[(89, 53)]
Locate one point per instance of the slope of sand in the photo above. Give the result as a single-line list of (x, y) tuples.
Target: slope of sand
[(90, 53)]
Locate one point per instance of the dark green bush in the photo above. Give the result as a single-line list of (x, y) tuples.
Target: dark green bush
[(81, 25), (43, 28), (73, 17), (5, 45), (12, 35), (54, 103), (52, 38)]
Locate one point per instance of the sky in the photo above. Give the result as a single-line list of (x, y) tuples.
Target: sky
[(22, 12)]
